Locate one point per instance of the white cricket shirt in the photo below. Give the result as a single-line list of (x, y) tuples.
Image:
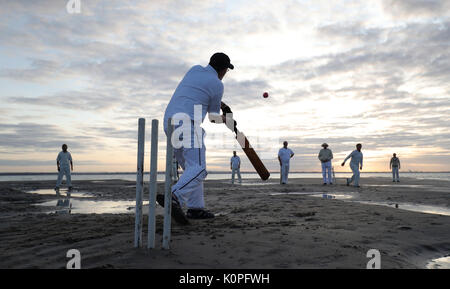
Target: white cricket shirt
[(200, 86), (64, 159)]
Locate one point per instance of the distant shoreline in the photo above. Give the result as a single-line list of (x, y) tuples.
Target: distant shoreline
[(211, 172)]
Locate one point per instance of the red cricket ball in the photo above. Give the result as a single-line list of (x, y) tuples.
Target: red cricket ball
[(265, 95)]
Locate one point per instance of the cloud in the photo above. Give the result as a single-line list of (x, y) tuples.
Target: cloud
[(416, 8), (336, 73), (34, 137), (34, 163)]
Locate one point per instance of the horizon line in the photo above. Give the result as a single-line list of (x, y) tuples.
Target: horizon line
[(211, 172)]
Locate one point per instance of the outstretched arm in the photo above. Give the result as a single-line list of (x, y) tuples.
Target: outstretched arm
[(349, 156)]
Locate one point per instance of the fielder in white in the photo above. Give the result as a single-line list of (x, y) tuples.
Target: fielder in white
[(64, 164), (200, 91), (284, 156), (356, 164), (325, 156), (235, 166)]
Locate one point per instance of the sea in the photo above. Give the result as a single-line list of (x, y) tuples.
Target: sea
[(7, 177)]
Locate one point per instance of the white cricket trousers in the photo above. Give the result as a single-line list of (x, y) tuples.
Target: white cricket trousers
[(355, 177), (284, 172), (326, 172), (64, 171), (238, 171), (189, 188)]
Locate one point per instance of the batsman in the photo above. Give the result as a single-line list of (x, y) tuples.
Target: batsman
[(201, 86)]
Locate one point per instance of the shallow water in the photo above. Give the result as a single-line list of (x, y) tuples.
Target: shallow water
[(297, 193), (428, 209), (398, 185), (212, 176), (76, 194), (258, 183), (439, 263), (425, 187), (324, 195), (334, 196), (80, 206), (250, 183)]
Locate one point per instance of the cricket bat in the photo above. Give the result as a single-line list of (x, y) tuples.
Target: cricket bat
[(247, 148)]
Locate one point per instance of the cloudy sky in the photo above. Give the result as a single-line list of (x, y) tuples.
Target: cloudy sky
[(341, 72)]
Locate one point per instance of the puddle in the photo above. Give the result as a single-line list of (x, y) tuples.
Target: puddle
[(52, 192), (262, 183), (79, 206), (440, 263), (424, 187), (398, 185), (428, 209), (258, 183), (297, 193), (324, 195), (333, 196)]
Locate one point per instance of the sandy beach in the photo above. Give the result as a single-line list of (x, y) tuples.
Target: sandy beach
[(260, 225)]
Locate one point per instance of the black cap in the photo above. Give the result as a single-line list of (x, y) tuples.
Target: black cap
[(220, 60)]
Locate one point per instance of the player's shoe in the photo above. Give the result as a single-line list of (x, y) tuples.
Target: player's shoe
[(177, 211), (199, 214)]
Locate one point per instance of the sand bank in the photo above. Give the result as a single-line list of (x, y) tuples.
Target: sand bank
[(262, 225)]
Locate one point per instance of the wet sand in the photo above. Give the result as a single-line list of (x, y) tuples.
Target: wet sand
[(255, 229)]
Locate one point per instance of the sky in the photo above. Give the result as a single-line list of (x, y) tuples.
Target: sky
[(341, 72)]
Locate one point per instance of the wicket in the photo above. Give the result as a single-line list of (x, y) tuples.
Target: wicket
[(153, 186), (139, 184), (167, 188)]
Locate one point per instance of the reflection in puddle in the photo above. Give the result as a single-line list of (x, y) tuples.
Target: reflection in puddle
[(334, 196), (59, 193), (297, 193), (413, 207), (425, 187), (249, 184), (80, 206), (324, 195), (397, 185), (262, 183), (440, 263), (428, 209)]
